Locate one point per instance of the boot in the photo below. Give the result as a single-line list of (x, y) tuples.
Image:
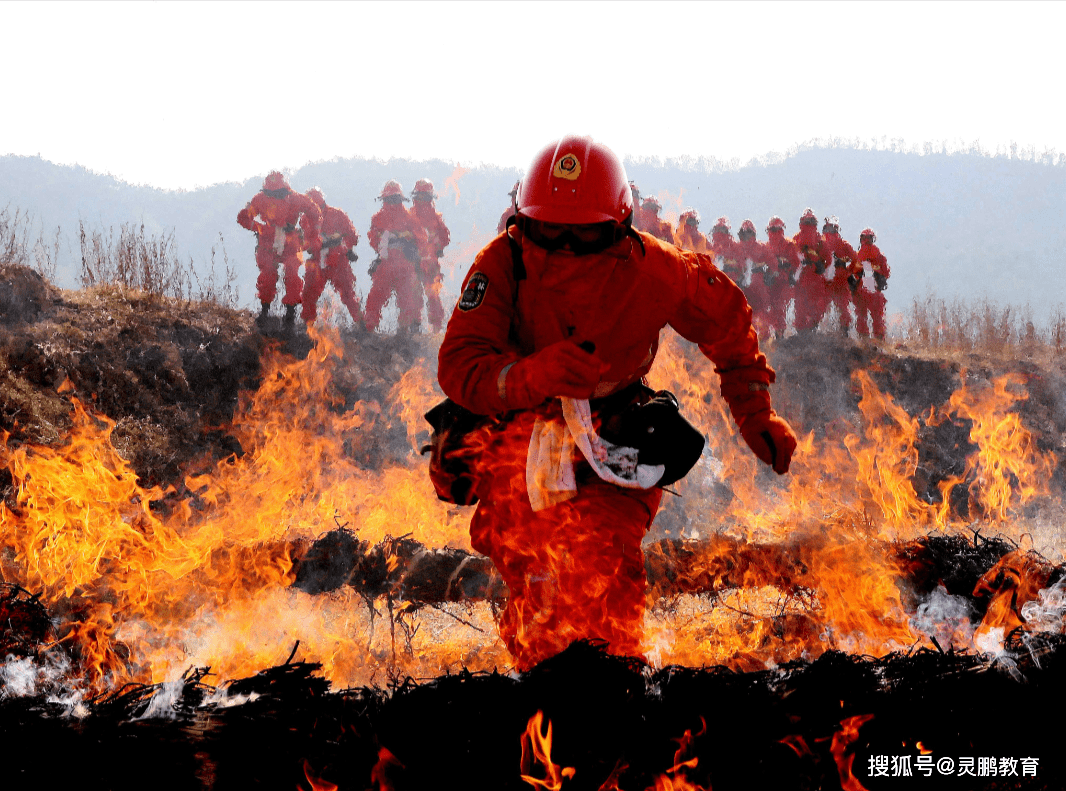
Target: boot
[(290, 317), (261, 320)]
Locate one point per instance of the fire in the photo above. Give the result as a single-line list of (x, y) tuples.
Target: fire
[(451, 184), (537, 755), (145, 583), (842, 752)]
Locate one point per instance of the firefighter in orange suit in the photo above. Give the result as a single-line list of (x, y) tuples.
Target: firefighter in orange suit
[(646, 218), (780, 278), (870, 264), (438, 237), (842, 254), (568, 306), (282, 220), (400, 244), (756, 261), (339, 239), (724, 247), (508, 213), (812, 289), (688, 233)]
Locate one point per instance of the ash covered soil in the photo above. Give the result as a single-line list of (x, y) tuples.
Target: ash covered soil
[(169, 374)]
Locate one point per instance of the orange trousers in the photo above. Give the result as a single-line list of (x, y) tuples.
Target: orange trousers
[(574, 570)]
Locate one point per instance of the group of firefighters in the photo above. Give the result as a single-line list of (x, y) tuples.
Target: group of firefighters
[(811, 270), (295, 230)]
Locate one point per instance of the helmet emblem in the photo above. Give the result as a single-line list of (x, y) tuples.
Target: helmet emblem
[(567, 167)]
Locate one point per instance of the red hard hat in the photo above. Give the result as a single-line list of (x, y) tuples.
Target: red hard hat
[(275, 181), (747, 227), (775, 224), (721, 225), (575, 180), (316, 195), (809, 218), (653, 202), (868, 232), (686, 214), (392, 188), (832, 224), (423, 186)]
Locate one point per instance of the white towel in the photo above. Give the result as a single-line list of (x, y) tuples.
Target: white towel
[(549, 460)]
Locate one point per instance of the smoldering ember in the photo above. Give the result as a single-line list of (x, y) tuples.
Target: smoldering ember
[(224, 566)]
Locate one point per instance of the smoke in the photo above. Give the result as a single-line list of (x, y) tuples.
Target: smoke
[(947, 618), (1046, 613), (49, 675)]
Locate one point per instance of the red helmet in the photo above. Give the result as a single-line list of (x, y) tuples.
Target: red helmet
[(651, 202), (809, 218), (578, 181), (747, 227), (868, 233), (689, 214), (392, 189), (832, 225), (423, 188), (775, 224), (316, 195), (721, 226), (275, 181)]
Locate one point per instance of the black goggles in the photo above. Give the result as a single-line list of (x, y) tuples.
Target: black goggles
[(579, 239)]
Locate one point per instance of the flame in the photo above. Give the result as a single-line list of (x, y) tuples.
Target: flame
[(147, 582), (386, 765), (452, 182), (537, 752), (844, 757), (1007, 467), (317, 783), (671, 206)]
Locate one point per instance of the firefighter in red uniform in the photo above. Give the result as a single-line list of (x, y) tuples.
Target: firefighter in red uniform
[(339, 239), (812, 289), (280, 217), (724, 247), (438, 237), (401, 244), (756, 259), (869, 300), (688, 233), (508, 213), (646, 218), (567, 306), (842, 254), (780, 274)]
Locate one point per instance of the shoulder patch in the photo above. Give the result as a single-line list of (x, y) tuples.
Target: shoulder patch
[(475, 290)]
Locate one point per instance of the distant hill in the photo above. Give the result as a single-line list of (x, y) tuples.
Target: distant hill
[(961, 225)]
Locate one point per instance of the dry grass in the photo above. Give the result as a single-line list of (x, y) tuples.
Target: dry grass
[(15, 246), (140, 261), (981, 326)]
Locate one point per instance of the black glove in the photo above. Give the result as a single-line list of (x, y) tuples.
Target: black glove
[(819, 266), (768, 277), (352, 256), (853, 282), (839, 263), (374, 265), (881, 281)]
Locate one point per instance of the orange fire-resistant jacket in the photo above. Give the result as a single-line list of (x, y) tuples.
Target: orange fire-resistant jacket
[(619, 300), (337, 229), (282, 208), (870, 253), (431, 220), (400, 223)]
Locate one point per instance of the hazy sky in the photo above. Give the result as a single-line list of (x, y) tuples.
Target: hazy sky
[(180, 95)]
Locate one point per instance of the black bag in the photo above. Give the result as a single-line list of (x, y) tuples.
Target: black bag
[(652, 423), (451, 463)]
